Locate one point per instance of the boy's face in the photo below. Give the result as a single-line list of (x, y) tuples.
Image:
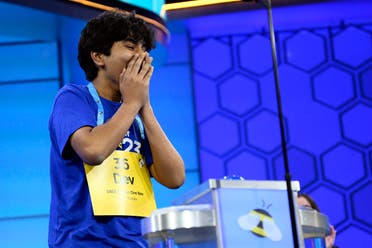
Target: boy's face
[(121, 53)]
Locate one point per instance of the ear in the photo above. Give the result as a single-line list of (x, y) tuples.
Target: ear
[(98, 58)]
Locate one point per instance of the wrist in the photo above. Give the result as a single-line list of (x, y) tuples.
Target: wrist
[(130, 109), (146, 108)]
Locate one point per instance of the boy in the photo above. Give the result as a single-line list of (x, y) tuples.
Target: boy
[(106, 140)]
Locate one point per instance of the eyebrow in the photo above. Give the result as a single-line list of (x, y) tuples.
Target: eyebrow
[(131, 40)]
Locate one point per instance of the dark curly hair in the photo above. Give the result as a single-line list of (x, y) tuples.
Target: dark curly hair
[(111, 26)]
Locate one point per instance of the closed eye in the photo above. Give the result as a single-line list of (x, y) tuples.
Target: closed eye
[(130, 47)]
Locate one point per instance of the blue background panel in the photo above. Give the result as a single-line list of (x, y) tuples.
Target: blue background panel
[(210, 64), (302, 166), (361, 200), (206, 105), (299, 54), (24, 147), (259, 50), (356, 124), (333, 203), (248, 166), (214, 165), (219, 134), (36, 60), (177, 51), (32, 232), (324, 78), (263, 132), (170, 96), (18, 24), (359, 52), (332, 78), (356, 236), (233, 94), (164, 197), (365, 80), (337, 160)]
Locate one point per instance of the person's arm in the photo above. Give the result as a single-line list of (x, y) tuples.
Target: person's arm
[(168, 166), (94, 145)]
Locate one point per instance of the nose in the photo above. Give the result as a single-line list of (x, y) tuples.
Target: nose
[(139, 49)]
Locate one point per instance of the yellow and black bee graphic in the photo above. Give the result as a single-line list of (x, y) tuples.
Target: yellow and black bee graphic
[(261, 224)]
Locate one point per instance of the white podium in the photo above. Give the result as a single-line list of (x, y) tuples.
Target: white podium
[(233, 214)]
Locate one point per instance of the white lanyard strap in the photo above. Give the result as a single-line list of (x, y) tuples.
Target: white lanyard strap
[(94, 94), (100, 113)]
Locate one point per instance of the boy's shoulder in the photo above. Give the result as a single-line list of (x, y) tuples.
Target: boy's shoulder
[(72, 88), (72, 91)]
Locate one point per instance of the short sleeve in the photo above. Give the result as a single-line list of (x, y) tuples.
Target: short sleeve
[(73, 108)]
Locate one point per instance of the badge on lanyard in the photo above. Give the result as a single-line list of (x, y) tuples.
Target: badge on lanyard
[(121, 185)]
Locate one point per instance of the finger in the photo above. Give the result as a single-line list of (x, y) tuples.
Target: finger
[(122, 74), (132, 62), (149, 60), (139, 63), (146, 63), (149, 72), (144, 69)]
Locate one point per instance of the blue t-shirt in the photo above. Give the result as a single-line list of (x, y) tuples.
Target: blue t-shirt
[(72, 223)]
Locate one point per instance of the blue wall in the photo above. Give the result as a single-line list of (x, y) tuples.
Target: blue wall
[(325, 75), (29, 78)]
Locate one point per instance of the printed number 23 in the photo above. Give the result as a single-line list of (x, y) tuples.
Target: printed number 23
[(135, 145)]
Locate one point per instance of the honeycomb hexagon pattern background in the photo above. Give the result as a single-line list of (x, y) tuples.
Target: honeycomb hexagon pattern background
[(325, 77)]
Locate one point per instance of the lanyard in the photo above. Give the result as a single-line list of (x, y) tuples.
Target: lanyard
[(94, 94), (100, 114)]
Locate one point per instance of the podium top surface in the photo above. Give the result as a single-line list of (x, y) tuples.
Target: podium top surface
[(314, 224), (214, 184), (186, 224)]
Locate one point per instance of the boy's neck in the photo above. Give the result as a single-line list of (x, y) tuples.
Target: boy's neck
[(107, 90)]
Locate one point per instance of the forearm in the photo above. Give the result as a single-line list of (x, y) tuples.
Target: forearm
[(94, 145), (168, 166)]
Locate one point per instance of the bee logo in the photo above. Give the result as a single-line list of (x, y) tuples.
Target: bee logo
[(261, 224), (141, 162)]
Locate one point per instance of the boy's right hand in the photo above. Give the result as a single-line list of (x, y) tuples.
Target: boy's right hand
[(135, 80)]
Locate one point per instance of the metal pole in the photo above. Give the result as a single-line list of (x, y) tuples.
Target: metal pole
[(291, 202)]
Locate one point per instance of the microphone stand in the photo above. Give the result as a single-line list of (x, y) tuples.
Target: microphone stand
[(267, 4)]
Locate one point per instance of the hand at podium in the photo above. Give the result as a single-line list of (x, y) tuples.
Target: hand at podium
[(330, 239), (304, 200)]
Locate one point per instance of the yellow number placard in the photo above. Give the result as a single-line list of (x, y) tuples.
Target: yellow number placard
[(121, 186)]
